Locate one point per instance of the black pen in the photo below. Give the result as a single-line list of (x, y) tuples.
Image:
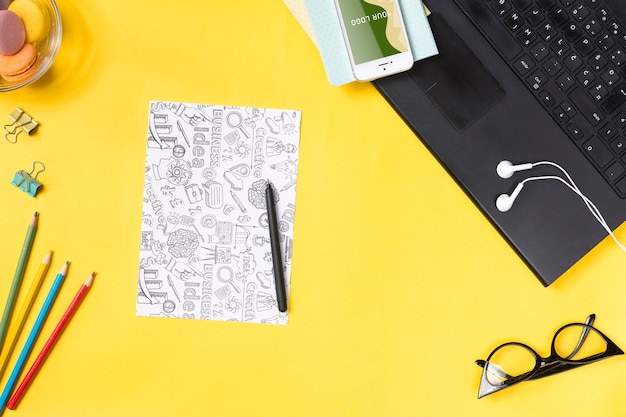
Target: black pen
[(277, 261)]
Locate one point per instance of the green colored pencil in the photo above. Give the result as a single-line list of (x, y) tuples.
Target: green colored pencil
[(17, 279)]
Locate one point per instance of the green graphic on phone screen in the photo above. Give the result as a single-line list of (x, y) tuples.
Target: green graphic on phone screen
[(373, 28)]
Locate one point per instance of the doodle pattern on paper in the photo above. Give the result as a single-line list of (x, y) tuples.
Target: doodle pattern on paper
[(205, 249)]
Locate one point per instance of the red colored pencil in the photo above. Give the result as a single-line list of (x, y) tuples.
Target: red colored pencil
[(56, 333)]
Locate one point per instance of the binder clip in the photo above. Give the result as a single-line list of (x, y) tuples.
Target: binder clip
[(22, 122), (27, 181)]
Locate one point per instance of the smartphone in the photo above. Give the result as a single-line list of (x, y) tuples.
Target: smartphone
[(375, 36)]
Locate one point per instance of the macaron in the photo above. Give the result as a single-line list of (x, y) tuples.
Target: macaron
[(36, 21), (12, 32), (4, 4), (19, 66)]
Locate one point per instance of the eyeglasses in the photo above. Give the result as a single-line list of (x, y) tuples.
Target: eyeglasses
[(573, 345)]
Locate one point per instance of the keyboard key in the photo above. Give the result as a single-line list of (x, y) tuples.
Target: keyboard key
[(572, 31), (514, 21), (524, 64), (618, 145), (585, 46), (534, 16), (614, 171), (552, 66), (537, 80), (598, 152), (539, 51), (580, 12), (560, 115), (564, 112), (607, 132), (598, 62), (604, 14), (621, 186), (574, 132), (501, 7), (560, 17), (560, 47), (610, 77), (617, 57), (606, 42), (615, 29), (546, 4), (620, 120), (522, 4), (585, 106), (547, 99), (527, 36), (598, 91), (592, 27), (568, 109), (565, 81), (585, 77), (573, 61), (615, 99), (547, 32)]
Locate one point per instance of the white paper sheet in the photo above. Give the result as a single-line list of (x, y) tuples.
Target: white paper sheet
[(205, 251)]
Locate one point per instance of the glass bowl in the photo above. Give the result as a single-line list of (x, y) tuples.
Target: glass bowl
[(46, 48)]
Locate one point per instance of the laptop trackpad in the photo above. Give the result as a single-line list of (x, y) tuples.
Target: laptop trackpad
[(455, 80)]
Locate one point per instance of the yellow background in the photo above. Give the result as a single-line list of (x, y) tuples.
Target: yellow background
[(398, 284)]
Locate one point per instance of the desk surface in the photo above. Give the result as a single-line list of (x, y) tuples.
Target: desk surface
[(398, 282)]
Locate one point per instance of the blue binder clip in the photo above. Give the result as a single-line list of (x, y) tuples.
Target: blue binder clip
[(27, 181)]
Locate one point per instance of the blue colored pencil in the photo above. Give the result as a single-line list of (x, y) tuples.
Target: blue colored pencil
[(32, 337)]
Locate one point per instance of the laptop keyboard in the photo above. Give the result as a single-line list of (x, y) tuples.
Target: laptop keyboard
[(571, 54)]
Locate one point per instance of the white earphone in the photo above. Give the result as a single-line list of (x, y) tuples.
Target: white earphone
[(506, 169), (504, 202)]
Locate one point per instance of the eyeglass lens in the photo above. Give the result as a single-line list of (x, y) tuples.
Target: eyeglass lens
[(508, 362), (577, 342)]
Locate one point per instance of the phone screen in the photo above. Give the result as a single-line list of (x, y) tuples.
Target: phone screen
[(374, 29)]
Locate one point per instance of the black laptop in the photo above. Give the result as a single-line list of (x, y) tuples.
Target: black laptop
[(527, 81)]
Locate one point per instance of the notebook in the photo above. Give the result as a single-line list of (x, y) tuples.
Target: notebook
[(527, 81), (205, 250), (320, 21)]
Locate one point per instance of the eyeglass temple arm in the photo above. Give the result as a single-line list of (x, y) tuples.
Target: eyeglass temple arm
[(583, 336)]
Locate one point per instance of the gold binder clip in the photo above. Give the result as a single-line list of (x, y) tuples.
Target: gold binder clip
[(22, 122), (27, 181)]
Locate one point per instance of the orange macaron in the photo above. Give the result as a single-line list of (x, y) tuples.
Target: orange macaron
[(19, 66)]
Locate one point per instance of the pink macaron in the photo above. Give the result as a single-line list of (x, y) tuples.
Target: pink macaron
[(12, 32), (4, 4)]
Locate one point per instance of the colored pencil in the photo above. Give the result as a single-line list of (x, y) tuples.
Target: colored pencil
[(17, 278), (56, 333), (32, 337), (18, 325)]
